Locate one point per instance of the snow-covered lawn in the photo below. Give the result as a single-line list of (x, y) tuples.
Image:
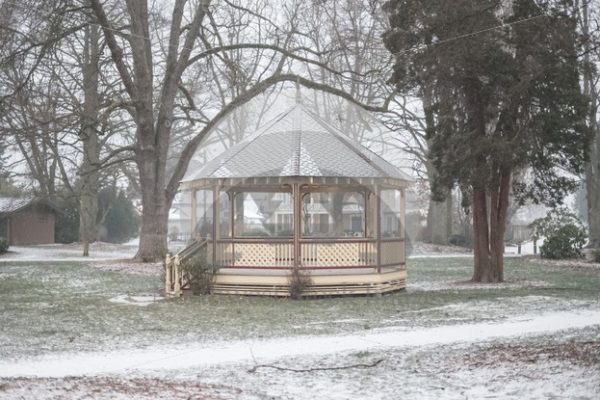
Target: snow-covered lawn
[(74, 330), (69, 252)]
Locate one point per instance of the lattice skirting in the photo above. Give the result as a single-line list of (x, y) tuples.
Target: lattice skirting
[(322, 285)]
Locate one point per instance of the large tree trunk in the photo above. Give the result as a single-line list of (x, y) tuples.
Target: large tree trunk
[(592, 179), (89, 174), (439, 215), (439, 221), (489, 220), (153, 234), (489, 227), (592, 170)]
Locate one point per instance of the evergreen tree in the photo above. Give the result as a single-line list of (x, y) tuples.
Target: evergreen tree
[(118, 217), (512, 72)]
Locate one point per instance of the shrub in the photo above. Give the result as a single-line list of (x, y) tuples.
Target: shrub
[(566, 242), (200, 273), (564, 232), (459, 240), (3, 245), (596, 256), (298, 282)]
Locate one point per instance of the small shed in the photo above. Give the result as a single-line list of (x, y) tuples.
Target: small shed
[(298, 195), (27, 221)]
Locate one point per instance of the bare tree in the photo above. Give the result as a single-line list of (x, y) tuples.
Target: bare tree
[(155, 82)]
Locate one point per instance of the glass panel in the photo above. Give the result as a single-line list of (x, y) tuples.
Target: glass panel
[(224, 215), (204, 213), (264, 214), (390, 214), (333, 214)]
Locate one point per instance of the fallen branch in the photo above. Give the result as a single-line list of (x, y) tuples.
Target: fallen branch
[(256, 367)]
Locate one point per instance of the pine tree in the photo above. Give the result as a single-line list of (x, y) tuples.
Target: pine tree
[(512, 72)]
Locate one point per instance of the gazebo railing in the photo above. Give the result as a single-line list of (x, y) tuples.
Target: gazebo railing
[(392, 252), (319, 253), (255, 253), (315, 253)]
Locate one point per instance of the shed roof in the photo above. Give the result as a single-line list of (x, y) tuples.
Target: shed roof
[(10, 205), (298, 143)]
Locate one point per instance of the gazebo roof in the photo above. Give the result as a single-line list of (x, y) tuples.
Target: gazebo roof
[(298, 143)]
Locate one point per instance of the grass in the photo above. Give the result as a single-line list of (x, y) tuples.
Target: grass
[(55, 307)]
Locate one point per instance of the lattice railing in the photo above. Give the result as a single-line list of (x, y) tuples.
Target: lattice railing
[(244, 254), (392, 252), (340, 254)]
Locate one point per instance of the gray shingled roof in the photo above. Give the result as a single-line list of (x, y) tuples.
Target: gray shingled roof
[(11, 204), (298, 143)]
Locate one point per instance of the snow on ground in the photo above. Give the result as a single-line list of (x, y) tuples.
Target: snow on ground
[(262, 351), (482, 348), (140, 301), (68, 252), (468, 285)]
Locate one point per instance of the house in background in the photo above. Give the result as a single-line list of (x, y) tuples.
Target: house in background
[(26, 221)]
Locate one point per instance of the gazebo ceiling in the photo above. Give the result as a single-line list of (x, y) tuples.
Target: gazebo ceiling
[(298, 143)]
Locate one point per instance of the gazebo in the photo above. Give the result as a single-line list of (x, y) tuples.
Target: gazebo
[(297, 195)]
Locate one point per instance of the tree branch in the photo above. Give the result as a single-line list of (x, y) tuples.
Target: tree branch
[(371, 365)]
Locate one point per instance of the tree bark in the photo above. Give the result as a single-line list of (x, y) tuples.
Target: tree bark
[(489, 221), (89, 173), (592, 170), (439, 215)]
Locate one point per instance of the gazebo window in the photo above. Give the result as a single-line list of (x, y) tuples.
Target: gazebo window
[(204, 213), (263, 214), (333, 214), (224, 216), (390, 214)]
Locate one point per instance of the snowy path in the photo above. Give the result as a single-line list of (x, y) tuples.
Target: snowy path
[(261, 351)]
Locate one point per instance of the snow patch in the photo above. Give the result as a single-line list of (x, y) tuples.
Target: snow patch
[(262, 351), (141, 301)]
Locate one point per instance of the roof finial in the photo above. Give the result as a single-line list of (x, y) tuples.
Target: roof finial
[(298, 94)]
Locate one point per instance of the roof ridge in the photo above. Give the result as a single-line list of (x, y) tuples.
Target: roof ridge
[(349, 143), (246, 142)]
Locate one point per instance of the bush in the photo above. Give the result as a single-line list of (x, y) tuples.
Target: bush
[(596, 256), (566, 242), (3, 245), (298, 282), (201, 275), (564, 232), (459, 240)]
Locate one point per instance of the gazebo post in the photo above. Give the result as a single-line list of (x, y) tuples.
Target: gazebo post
[(215, 230), (297, 200), (402, 215), (378, 225), (194, 215)]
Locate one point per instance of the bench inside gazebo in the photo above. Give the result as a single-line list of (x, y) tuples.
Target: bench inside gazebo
[(298, 194)]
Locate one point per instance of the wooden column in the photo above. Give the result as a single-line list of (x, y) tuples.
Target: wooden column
[(403, 213), (297, 198), (378, 226), (215, 230), (194, 214), (168, 275)]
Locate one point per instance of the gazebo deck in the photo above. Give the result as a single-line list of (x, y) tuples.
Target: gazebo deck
[(335, 268), (323, 282)]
